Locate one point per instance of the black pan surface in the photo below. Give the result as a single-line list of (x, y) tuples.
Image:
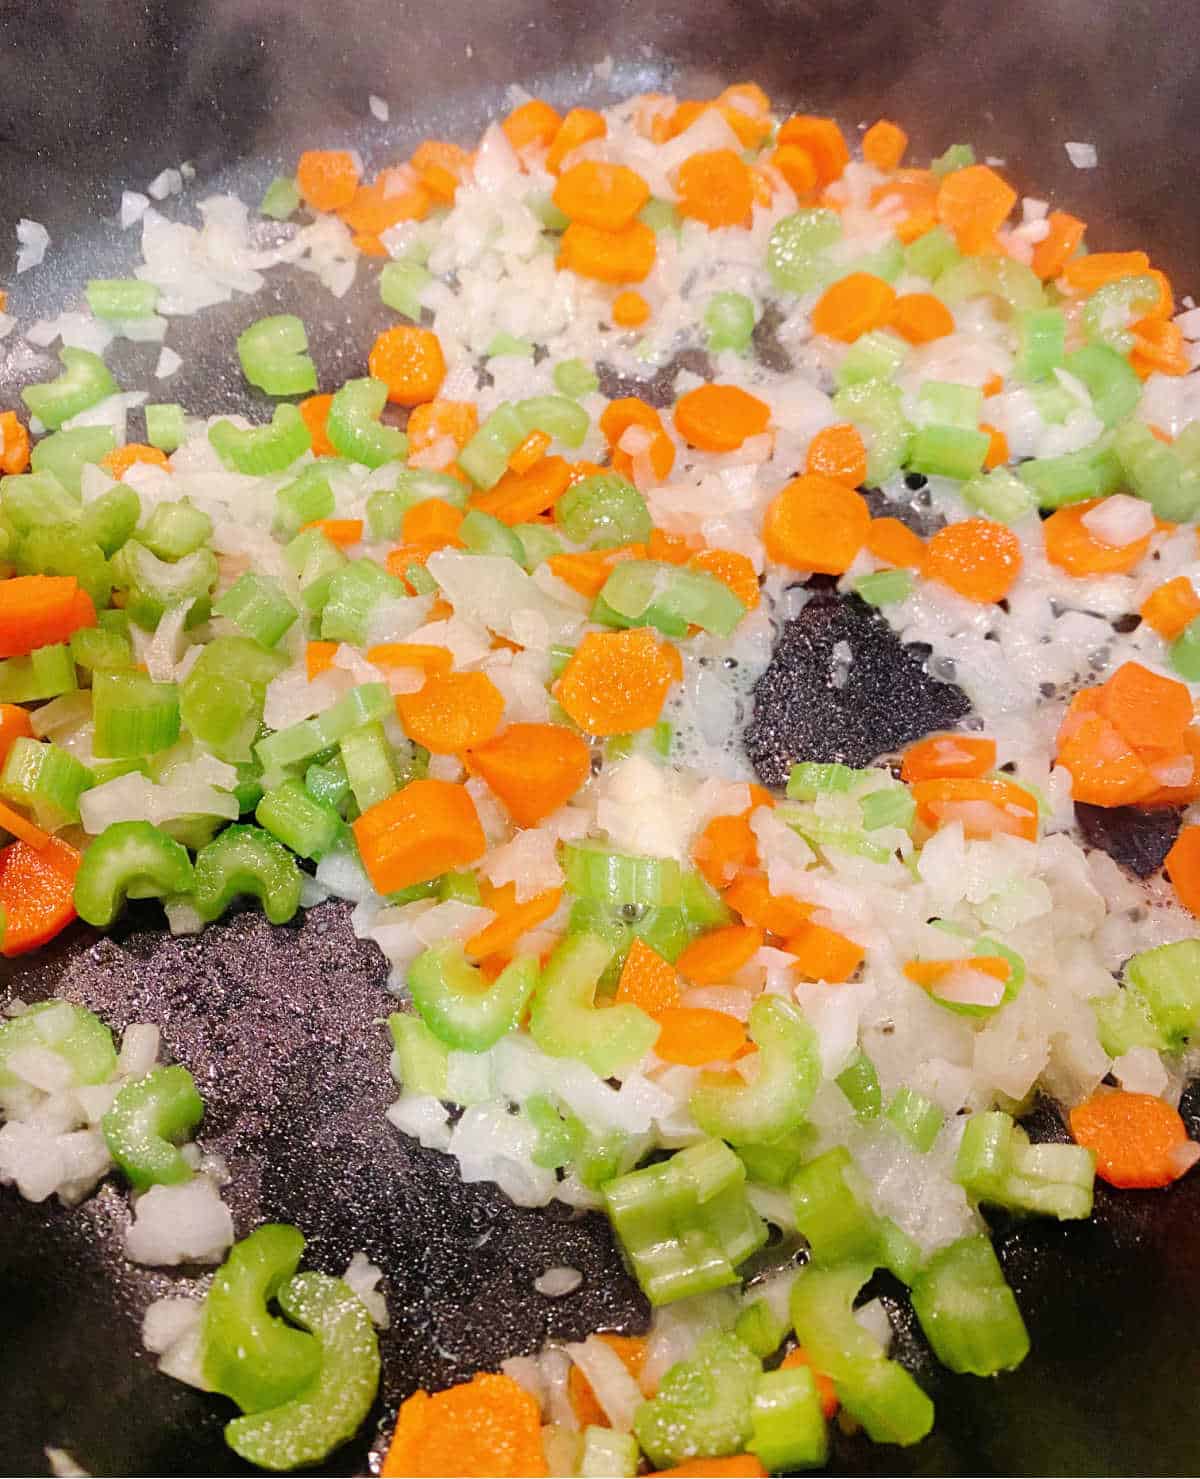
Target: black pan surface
[(280, 1027)]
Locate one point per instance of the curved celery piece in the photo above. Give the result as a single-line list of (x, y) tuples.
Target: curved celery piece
[(1000, 277), (175, 529), (703, 1405), (46, 779), (364, 704), (1111, 381), (603, 510), (64, 454), (1167, 980), (967, 1310), (1110, 310), (653, 592), (459, 1005), (30, 499), (484, 535), (249, 1354), (726, 1105), (619, 879), (72, 1031), (419, 1060), (129, 860), (246, 860), (880, 1393), (155, 585), (557, 415), (108, 521), (1155, 472), (273, 354), (787, 1424), (354, 427), (84, 381), (1012, 986), (148, 1119), (221, 699), (322, 1416), (566, 1023), (263, 449), (997, 1164), (875, 409), (796, 250)]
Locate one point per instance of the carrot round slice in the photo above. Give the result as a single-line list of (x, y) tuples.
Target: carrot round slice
[(719, 418), (607, 196), (939, 755), (533, 123), (410, 363), (578, 127), (822, 138), (37, 891), (884, 144), (715, 187), (616, 682), (608, 256), (838, 452), (979, 558), (485, 1428), (1137, 1139), (920, 318), (1072, 546), (816, 524), (853, 306)]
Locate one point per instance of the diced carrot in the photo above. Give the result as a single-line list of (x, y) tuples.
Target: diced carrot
[(715, 957), (1149, 711), (630, 310), (341, 532), (955, 754), (1158, 347), (797, 167), (487, 1428), (825, 955), (368, 244), (739, 1466), (315, 411), (435, 420), (1104, 767), (504, 932), (912, 195), (439, 183), (616, 682), (533, 123), (838, 452), (533, 768), (984, 807), (632, 1350), (974, 203), (895, 543), (396, 195), (1160, 435), (21, 827), (1136, 1138), (920, 318), (608, 256), (586, 571), (318, 658), (14, 724), (884, 144), (997, 453), (427, 828), (1051, 254), (822, 138), (530, 452), (745, 97), (37, 892), (719, 418), (604, 196), (1171, 607), (452, 712), (927, 973), (853, 306), (579, 126), (410, 363), (1083, 275), (431, 152), (674, 549), (1189, 790), (327, 178), (37, 610), (399, 560), (777, 914), (725, 848), (715, 187), (695, 1035), (1072, 546), (647, 980), (1183, 868), (123, 458), (731, 568), (616, 419), (433, 522), (816, 524), (798, 1356), (14, 444), (993, 385), (979, 558), (426, 656)]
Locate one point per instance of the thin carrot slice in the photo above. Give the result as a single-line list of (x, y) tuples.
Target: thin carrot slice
[(927, 973), (719, 418), (519, 497), (315, 411), (486, 1428), (1148, 710), (826, 1391), (1051, 254), (534, 123), (410, 363), (777, 914), (37, 610), (505, 931), (632, 1350), (825, 955), (1158, 347), (732, 568), (14, 444), (979, 558), (715, 957), (725, 848), (616, 682), (715, 187), (647, 980), (37, 892), (838, 452), (533, 768), (695, 1035), (816, 524), (327, 178), (1072, 546), (123, 458), (433, 522), (530, 452), (605, 196), (426, 656), (20, 826), (822, 138), (884, 144), (579, 126), (1136, 1138), (452, 712), (974, 203), (1083, 275), (853, 306), (1171, 607), (318, 658), (630, 310), (608, 256), (954, 754), (14, 724), (920, 318), (984, 807), (894, 543)]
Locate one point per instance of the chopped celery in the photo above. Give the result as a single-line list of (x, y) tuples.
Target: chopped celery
[(303, 501), (353, 593), (1000, 495), (759, 1327), (32, 499), (997, 1164), (307, 738), (75, 1034), (484, 535), (45, 673), (557, 1142), (967, 1310), (129, 860), (133, 715), (148, 1119), (354, 427), (660, 215), (1110, 380), (703, 1406), (860, 1083), (948, 451), (537, 543), (121, 297), (174, 530), (281, 198), (1155, 472), (1111, 309), (775, 1163), (45, 779), (84, 381), (94, 647), (875, 409), (608, 1454), (419, 1059), (1093, 472), (400, 286), (876, 355), (273, 355), (244, 860), (619, 880), (460, 1006), (558, 416), (809, 779), (787, 1424), (797, 249), (931, 253), (165, 425), (367, 758), (64, 455), (573, 377), (1041, 342), (670, 597), (258, 607), (603, 510), (505, 343), (774, 1103), (1168, 981), (485, 457), (956, 157), (885, 587), (61, 550), (263, 449), (917, 1118), (565, 1022), (729, 320), (889, 806), (944, 403), (309, 827)]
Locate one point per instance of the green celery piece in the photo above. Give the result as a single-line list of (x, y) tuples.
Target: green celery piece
[(559, 416), (666, 930), (108, 521), (281, 198), (1156, 472), (1111, 309), (787, 1424), (174, 530), (541, 203), (760, 1328), (537, 544), (273, 355), (354, 591), (165, 426), (931, 253), (875, 409), (420, 1059), (876, 355), (948, 451), (72, 1031), (485, 457), (221, 699), (726, 1105), (153, 586), (306, 826), (1041, 343), (263, 449), (484, 535), (775, 1162), (575, 378), (619, 880), (1110, 380), (121, 297), (833, 1209), (886, 262), (400, 285), (602, 511), (948, 404), (1167, 978), (967, 1310), (31, 499), (809, 779), (956, 157), (660, 215), (464, 887), (94, 647), (999, 277), (797, 250), (608, 1454), (729, 320), (565, 1022), (60, 549), (245, 860), (248, 1354), (703, 1406), (505, 343), (257, 605), (703, 907), (148, 1119), (84, 381), (997, 1164), (303, 501), (308, 1426), (133, 715), (45, 779), (1093, 472), (362, 705), (885, 587), (460, 1006), (558, 1140), (889, 806), (654, 593), (1000, 495), (46, 673), (859, 1081), (129, 860), (64, 455), (917, 1118)]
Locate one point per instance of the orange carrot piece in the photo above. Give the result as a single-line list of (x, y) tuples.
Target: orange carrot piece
[(485, 1428), (318, 658), (777, 914), (630, 310), (822, 138), (1171, 607), (1183, 868), (695, 1035), (731, 568), (984, 807), (608, 256), (894, 543), (1072, 546), (533, 768), (586, 571), (826, 1390), (719, 418), (825, 955), (326, 178), (530, 452), (341, 532), (1150, 711), (37, 892), (119, 462), (410, 363), (1158, 346), (920, 318), (616, 682), (914, 193), (1104, 767), (739, 1466), (724, 849), (675, 549), (432, 521), (752, 130), (974, 203), (1083, 275), (853, 306), (579, 126), (745, 97), (519, 497), (396, 195), (954, 754), (993, 385), (927, 973), (816, 524), (1136, 1138), (1051, 254), (437, 419), (533, 123), (22, 828), (452, 711), (714, 958), (14, 724), (979, 558), (606, 196), (838, 452), (37, 610), (427, 656), (884, 144), (997, 453), (314, 410), (715, 187), (504, 932), (632, 1350), (647, 980), (427, 828), (14, 444), (797, 167), (616, 419)]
